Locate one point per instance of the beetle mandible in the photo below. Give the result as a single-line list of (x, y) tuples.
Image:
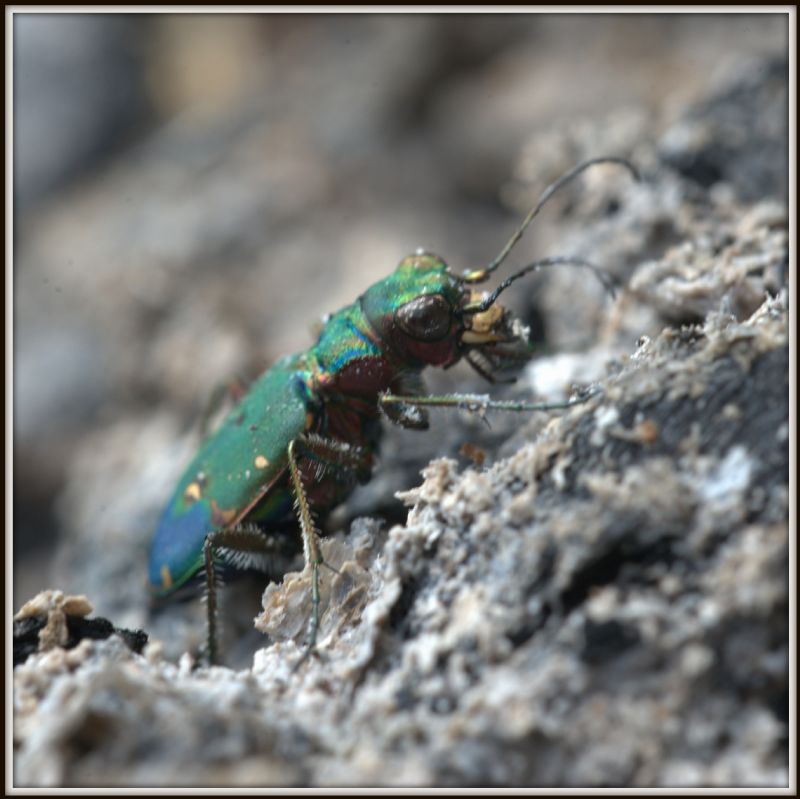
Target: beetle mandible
[(308, 428)]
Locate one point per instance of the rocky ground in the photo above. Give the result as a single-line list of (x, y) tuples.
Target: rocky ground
[(594, 597)]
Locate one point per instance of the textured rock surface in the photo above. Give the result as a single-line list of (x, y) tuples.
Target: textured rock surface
[(603, 602), (607, 606)]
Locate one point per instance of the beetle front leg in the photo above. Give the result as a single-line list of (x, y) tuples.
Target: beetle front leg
[(407, 415), (480, 403)]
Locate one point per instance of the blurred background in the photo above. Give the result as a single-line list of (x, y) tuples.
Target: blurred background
[(192, 192)]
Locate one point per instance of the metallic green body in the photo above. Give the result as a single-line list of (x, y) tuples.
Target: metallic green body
[(332, 390), (309, 427)]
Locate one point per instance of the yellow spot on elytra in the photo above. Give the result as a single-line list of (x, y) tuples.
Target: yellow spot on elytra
[(166, 577), (192, 492), (260, 462)]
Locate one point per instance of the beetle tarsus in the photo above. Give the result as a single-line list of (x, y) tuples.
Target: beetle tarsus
[(311, 549), (313, 625), (211, 599)]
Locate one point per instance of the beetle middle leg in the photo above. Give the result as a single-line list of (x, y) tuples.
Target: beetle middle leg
[(250, 545), (329, 453)]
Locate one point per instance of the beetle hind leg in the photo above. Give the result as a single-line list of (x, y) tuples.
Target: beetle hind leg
[(244, 546)]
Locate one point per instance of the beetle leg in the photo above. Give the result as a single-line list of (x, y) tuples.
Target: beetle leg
[(338, 454), (478, 363), (311, 550), (247, 540), (480, 403), (411, 417)]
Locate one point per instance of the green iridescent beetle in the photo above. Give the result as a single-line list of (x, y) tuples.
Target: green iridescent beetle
[(308, 429)]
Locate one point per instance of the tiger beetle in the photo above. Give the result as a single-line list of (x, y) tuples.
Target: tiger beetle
[(308, 428)]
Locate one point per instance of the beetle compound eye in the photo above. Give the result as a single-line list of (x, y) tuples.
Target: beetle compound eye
[(426, 318)]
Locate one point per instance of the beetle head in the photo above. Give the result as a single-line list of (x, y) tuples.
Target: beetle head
[(428, 316)]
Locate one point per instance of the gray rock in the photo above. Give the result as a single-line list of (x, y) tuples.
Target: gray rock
[(606, 606), (603, 601)]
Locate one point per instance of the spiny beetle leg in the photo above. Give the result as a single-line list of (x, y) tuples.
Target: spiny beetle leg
[(480, 403), (242, 540), (311, 550), (407, 416), (340, 455), (336, 454)]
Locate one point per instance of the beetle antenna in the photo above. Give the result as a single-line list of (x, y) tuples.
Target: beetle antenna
[(535, 266), (479, 275)]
